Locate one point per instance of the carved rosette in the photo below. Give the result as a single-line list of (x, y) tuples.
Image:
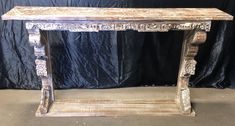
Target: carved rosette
[(189, 68), (41, 67)]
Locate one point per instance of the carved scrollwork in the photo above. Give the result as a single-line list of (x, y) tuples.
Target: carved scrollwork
[(189, 26), (141, 26), (198, 38), (193, 39)]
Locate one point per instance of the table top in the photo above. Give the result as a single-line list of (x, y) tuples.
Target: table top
[(116, 14)]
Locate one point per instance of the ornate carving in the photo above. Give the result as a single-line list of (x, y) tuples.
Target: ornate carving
[(95, 26), (41, 67), (193, 39), (189, 68), (195, 36), (185, 97)]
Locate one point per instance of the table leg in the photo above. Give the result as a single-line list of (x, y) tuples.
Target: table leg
[(43, 69), (191, 42)]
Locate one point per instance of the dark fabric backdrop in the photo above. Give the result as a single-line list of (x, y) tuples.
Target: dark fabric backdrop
[(116, 59)]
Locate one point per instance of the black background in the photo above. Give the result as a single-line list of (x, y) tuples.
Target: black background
[(117, 59)]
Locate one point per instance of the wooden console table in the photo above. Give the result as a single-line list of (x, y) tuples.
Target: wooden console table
[(194, 21)]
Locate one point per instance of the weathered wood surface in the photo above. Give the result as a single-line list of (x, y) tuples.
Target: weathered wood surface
[(195, 21), (190, 46), (117, 14), (43, 68), (115, 102)]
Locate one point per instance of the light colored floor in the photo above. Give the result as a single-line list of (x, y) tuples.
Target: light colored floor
[(214, 107)]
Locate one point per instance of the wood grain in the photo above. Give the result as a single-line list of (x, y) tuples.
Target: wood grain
[(150, 101), (91, 13), (117, 102)]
